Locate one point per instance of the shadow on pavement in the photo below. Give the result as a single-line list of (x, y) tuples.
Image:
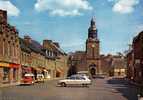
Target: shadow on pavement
[(122, 86), (73, 86)]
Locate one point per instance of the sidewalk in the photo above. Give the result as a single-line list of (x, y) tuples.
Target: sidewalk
[(134, 83), (139, 86), (8, 85), (18, 83)]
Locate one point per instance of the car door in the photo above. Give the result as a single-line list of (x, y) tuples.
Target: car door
[(78, 80), (71, 80)]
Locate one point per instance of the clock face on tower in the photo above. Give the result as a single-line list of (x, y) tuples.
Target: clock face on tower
[(92, 45)]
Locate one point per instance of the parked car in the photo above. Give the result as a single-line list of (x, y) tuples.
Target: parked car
[(28, 79), (75, 80), (85, 73), (78, 75), (40, 78)]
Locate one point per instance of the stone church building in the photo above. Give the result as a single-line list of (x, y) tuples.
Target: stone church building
[(92, 62), (88, 60)]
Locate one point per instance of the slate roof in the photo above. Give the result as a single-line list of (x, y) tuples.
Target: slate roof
[(58, 49), (23, 46), (136, 38), (38, 48), (33, 46)]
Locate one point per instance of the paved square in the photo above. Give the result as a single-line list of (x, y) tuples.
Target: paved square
[(101, 89)]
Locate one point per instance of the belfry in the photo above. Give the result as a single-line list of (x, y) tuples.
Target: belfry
[(89, 60), (93, 49)]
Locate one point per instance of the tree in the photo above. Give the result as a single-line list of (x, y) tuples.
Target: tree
[(72, 70)]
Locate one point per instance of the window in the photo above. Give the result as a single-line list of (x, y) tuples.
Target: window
[(78, 78), (14, 74), (8, 48), (3, 46), (52, 54), (6, 74), (82, 78), (73, 78), (11, 50)]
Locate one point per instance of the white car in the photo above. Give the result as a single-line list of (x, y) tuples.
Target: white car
[(75, 80), (40, 78), (81, 75)]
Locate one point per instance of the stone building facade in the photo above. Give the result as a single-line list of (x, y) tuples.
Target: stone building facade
[(92, 62), (135, 59), (113, 65), (130, 64), (25, 55), (57, 58), (9, 52), (47, 59)]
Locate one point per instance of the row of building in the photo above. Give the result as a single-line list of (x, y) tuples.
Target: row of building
[(110, 65), (113, 65), (21, 55), (135, 59)]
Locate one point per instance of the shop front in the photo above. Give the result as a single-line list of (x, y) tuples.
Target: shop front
[(47, 73), (59, 73), (9, 73), (36, 71)]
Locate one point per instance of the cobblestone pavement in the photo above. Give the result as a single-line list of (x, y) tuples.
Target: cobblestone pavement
[(101, 89)]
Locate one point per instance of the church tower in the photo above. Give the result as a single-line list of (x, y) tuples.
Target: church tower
[(92, 49)]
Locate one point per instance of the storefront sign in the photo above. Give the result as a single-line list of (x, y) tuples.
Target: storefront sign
[(14, 65), (9, 65), (4, 65)]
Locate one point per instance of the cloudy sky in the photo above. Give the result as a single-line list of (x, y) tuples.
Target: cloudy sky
[(67, 21)]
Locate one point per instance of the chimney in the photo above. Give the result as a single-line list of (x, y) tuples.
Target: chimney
[(46, 43), (27, 39), (57, 44), (3, 16)]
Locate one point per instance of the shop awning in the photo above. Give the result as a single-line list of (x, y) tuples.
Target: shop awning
[(4, 64), (9, 65), (14, 65), (59, 70)]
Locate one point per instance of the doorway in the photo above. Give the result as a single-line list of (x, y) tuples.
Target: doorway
[(92, 70)]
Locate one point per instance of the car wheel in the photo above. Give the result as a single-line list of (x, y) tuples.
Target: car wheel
[(84, 85), (63, 84)]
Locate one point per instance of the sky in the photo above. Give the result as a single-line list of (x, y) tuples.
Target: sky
[(67, 21)]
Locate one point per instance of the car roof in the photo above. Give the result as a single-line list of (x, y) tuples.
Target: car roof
[(29, 75)]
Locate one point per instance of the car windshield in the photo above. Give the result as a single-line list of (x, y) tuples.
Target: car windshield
[(72, 77)]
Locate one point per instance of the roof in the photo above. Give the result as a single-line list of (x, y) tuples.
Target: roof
[(23, 46), (118, 63), (35, 46), (53, 46), (136, 38), (58, 49)]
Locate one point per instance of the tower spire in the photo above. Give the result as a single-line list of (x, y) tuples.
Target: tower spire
[(93, 21), (92, 31)]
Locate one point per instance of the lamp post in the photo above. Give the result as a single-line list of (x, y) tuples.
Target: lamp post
[(55, 69)]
